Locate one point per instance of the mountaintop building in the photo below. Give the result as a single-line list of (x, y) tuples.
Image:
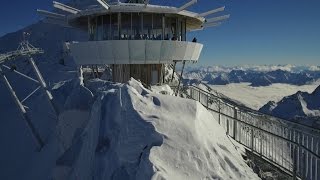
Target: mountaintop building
[(136, 39)]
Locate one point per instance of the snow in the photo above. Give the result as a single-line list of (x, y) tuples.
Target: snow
[(146, 135), (256, 97), (120, 131), (306, 110), (163, 89)]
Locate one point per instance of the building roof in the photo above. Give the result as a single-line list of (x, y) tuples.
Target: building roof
[(194, 21), (76, 18)]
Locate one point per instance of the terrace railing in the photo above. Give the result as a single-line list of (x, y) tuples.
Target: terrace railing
[(292, 147)]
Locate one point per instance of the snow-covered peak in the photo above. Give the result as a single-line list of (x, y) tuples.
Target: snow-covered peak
[(301, 106), (316, 92)]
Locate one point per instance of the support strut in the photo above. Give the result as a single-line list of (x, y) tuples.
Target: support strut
[(43, 85), (23, 111), (174, 69), (184, 63)]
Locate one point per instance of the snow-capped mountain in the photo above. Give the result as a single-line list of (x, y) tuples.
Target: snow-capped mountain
[(256, 78), (259, 68), (302, 106)]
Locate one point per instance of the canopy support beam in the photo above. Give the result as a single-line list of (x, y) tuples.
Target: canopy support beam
[(187, 5), (104, 4), (212, 12), (65, 8)]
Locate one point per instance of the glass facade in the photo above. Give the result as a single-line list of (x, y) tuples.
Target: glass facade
[(136, 26)]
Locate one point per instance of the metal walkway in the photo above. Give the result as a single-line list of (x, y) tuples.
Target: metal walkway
[(292, 147)]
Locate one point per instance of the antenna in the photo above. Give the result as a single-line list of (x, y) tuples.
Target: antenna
[(25, 34)]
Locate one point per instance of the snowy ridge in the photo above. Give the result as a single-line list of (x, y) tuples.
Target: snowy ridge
[(151, 136)]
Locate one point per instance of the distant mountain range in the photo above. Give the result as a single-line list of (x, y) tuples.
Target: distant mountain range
[(302, 107), (222, 76), (260, 68)]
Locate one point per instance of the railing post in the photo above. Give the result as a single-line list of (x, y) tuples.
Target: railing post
[(316, 168), (228, 126), (261, 144), (191, 93), (219, 109), (252, 139), (306, 164), (295, 159), (235, 116), (207, 101)]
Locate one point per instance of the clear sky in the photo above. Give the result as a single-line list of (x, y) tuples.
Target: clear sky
[(258, 32)]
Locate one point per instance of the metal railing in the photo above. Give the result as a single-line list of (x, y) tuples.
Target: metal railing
[(292, 147)]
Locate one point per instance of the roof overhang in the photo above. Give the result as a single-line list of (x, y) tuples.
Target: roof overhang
[(79, 18), (193, 19)]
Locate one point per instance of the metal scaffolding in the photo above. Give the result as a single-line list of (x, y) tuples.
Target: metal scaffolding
[(25, 49)]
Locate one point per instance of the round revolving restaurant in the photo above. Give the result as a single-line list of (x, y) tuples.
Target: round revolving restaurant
[(135, 38)]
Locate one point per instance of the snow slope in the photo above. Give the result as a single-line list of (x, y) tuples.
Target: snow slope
[(144, 135), (256, 97), (124, 132)]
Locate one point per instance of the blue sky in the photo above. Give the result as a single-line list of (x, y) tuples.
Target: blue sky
[(259, 31)]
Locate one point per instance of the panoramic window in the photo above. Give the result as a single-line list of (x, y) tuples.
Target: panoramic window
[(136, 26), (125, 29)]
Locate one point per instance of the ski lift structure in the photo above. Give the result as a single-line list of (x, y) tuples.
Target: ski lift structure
[(27, 50), (135, 38)]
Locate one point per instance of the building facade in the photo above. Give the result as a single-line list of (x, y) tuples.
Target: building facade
[(135, 39)]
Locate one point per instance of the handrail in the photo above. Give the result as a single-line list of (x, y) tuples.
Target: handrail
[(267, 132), (300, 149), (255, 111)]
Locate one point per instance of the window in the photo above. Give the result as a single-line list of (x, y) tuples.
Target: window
[(183, 29), (92, 28), (114, 27), (147, 26), (170, 28), (157, 27), (137, 26), (106, 27), (99, 29), (125, 29)]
